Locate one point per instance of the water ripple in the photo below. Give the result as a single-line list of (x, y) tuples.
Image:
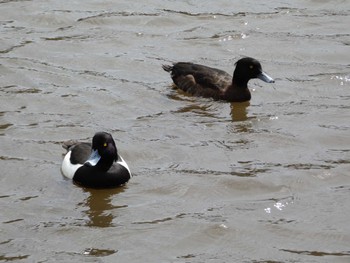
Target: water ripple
[(22, 44), (112, 14), (317, 253)]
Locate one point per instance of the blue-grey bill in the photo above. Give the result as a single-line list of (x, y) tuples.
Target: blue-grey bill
[(94, 158), (264, 77)]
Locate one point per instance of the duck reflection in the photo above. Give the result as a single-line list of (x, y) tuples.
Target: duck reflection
[(99, 206), (239, 111)]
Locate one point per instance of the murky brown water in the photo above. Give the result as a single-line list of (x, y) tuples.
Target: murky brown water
[(265, 181)]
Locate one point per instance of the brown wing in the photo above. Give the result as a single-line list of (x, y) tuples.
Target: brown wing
[(204, 80)]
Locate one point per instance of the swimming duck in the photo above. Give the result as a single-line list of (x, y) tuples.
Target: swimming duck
[(200, 80), (96, 165)]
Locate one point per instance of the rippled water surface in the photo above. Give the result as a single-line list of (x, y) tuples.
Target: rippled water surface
[(265, 181)]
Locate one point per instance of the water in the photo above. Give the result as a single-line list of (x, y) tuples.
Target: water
[(264, 181)]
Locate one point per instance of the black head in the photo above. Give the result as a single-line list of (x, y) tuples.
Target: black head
[(249, 68), (103, 142)]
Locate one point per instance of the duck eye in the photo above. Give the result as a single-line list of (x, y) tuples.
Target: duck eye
[(105, 144)]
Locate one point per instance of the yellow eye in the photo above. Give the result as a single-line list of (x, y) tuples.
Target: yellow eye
[(251, 66), (105, 144)]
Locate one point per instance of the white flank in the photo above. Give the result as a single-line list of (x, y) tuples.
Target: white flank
[(123, 163), (68, 169)]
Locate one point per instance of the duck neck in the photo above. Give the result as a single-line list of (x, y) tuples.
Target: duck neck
[(105, 163), (238, 91), (239, 82)]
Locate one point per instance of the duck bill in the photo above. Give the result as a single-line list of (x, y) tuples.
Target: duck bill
[(93, 159), (264, 77)]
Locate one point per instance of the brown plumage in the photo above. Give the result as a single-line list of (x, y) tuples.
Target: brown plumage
[(200, 80)]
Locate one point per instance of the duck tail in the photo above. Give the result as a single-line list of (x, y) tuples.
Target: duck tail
[(167, 68), (68, 144)]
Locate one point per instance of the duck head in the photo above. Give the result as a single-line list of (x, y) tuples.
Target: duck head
[(249, 68), (103, 151)]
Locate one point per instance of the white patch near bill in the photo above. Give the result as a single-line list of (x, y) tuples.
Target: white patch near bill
[(123, 163), (68, 169)]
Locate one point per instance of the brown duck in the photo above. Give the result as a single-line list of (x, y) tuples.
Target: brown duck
[(200, 80)]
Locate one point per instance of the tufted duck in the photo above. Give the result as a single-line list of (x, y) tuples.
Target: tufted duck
[(200, 80), (96, 165)]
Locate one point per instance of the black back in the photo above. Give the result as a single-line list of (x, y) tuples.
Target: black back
[(80, 153)]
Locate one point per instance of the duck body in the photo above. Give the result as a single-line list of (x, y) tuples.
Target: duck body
[(204, 81), (96, 165)]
